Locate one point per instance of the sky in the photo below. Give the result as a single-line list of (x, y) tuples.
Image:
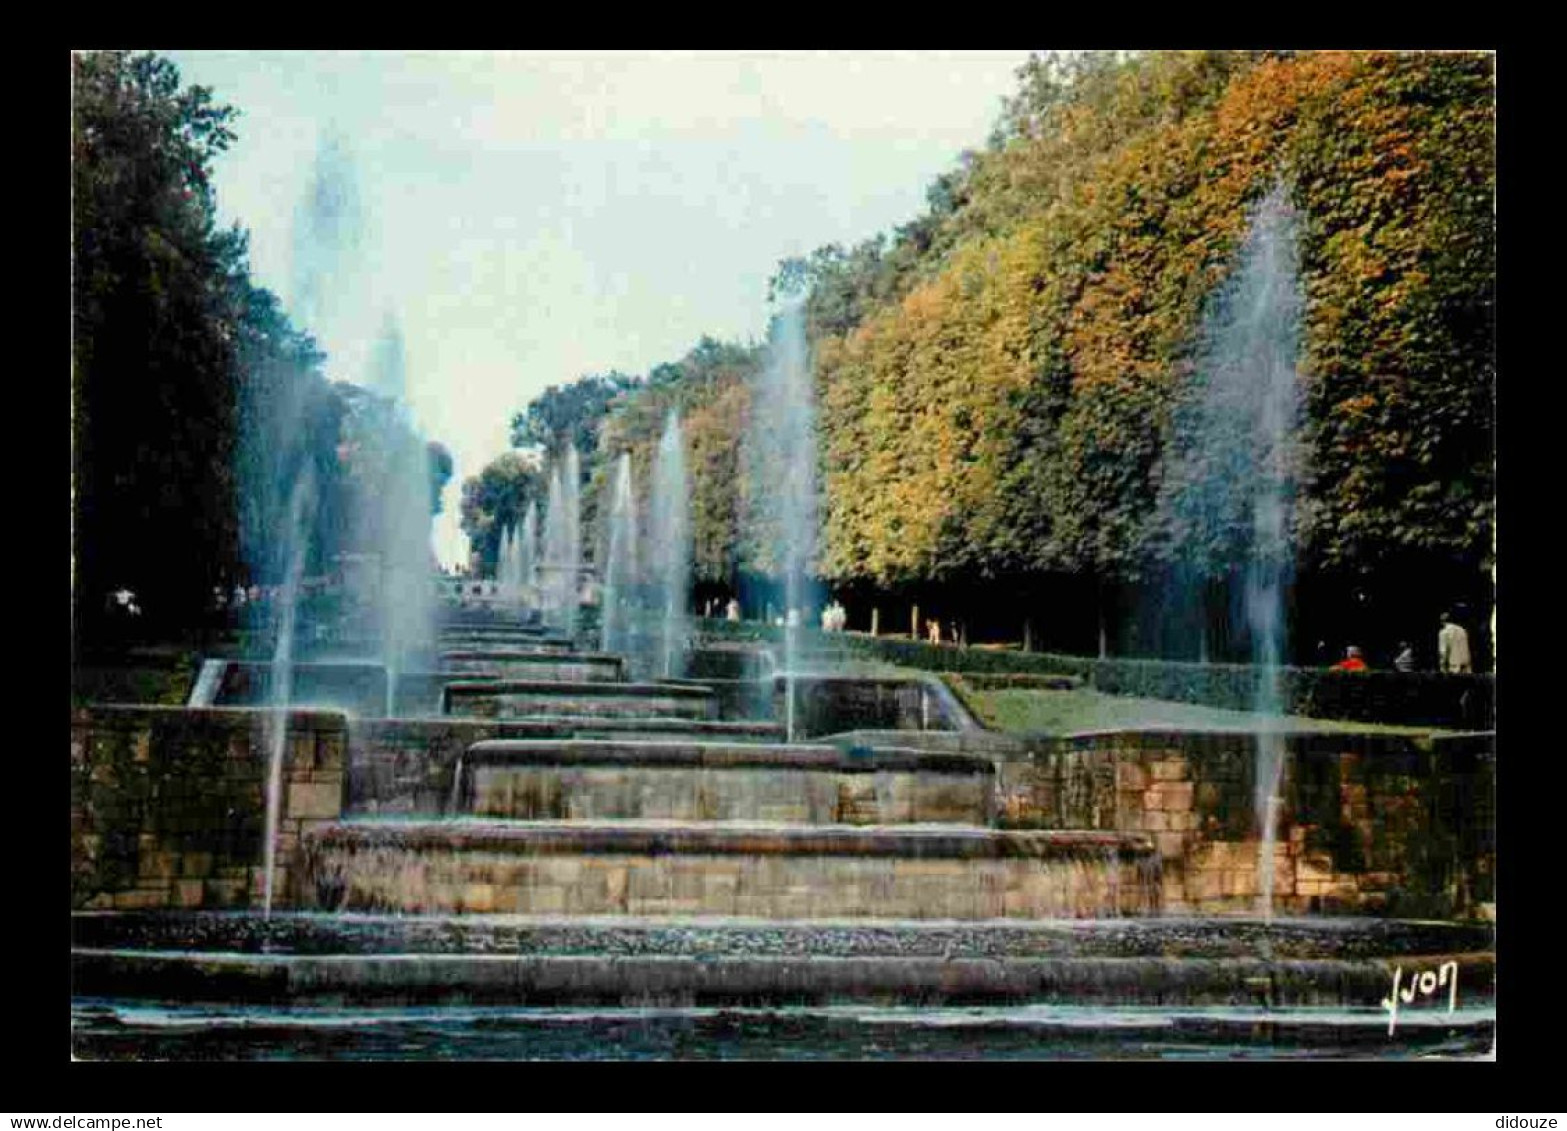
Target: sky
[(523, 219)]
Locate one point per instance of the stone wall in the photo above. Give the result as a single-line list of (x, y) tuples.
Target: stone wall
[(407, 766), (780, 873), (827, 704), (817, 791), (168, 804), (1369, 824)]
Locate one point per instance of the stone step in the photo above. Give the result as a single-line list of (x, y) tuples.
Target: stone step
[(519, 698), (735, 868), (505, 641), (407, 766), (1284, 939), (560, 666), (717, 781), (656, 980), (544, 960)]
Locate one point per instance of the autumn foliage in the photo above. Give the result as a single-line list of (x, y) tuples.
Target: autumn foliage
[(996, 384)]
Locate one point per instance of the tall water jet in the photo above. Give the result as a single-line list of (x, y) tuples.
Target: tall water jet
[(571, 578), (619, 561), (1230, 481), (296, 538), (554, 547), (783, 475), (528, 551), (329, 234), (405, 604), (669, 530), (560, 575), (508, 566)]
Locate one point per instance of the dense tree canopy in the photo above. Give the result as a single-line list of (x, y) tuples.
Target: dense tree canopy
[(496, 500), (1012, 409), (198, 409), (999, 380), (153, 401), (570, 413)]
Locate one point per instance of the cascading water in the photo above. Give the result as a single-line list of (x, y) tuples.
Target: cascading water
[(670, 533), (1230, 483), (619, 560), (783, 458)]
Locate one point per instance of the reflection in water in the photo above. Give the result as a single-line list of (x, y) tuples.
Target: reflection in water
[(102, 1031)]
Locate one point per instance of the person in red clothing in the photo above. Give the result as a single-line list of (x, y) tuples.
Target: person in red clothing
[(1352, 661)]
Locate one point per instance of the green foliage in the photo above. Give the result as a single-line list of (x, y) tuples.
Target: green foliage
[(196, 405), (999, 378), (440, 459), (154, 401), (1008, 406), (496, 500), (711, 389), (569, 413)]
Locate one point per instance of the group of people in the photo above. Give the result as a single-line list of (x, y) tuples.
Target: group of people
[(1452, 651)]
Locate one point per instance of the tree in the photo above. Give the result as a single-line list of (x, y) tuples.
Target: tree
[(153, 391), (569, 413), (496, 500), (440, 472)]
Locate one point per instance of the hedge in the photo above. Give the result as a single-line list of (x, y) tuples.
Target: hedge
[(1406, 698)]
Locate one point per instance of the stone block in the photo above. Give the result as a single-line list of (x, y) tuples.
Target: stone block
[(314, 800), (1172, 845), (142, 898), (158, 865), (331, 750), (1168, 769), (189, 893), (1130, 775), (301, 751), (196, 865), (1240, 882), (478, 898), (1208, 796)]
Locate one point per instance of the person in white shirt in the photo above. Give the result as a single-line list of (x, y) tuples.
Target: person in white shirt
[(1452, 647)]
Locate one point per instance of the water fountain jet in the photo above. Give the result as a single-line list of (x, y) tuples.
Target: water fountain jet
[(1230, 480), (670, 532), (783, 455), (620, 560)]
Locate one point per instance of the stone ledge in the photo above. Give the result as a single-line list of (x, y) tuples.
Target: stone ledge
[(564, 979), (571, 689), (653, 838), (1167, 936), (710, 755)]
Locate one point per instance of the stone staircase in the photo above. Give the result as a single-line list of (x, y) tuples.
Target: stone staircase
[(644, 820)]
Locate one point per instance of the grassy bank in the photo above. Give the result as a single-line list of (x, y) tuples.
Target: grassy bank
[(1032, 711)]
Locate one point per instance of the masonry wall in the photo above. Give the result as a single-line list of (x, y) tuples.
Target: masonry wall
[(1369, 824), (168, 804)]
